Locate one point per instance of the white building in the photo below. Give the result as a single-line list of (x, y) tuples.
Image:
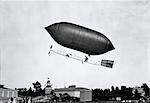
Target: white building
[(7, 93), (83, 93)]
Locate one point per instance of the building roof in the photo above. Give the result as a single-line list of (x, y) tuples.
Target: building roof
[(1, 86), (71, 89), (4, 88), (8, 89)]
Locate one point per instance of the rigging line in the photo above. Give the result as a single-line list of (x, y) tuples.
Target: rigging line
[(72, 56), (66, 55), (69, 53)]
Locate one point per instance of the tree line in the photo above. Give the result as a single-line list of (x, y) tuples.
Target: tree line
[(126, 93), (36, 91)]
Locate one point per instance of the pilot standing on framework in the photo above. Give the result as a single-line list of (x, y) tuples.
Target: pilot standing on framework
[(86, 59)]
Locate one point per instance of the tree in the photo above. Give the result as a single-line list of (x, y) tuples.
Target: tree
[(66, 97), (117, 90), (30, 92), (37, 85), (137, 95), (146, 89), (38, 89), (22, 92), (129, 93), (97, 94), (106, 94), (124, 92), (112, 88)]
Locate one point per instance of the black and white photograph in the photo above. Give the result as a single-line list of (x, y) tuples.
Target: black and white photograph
[(75, 51)]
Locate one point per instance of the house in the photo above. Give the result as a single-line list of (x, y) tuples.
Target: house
[(7, 93), (83, 94)]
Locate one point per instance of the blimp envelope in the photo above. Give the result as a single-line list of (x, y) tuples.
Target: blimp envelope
[(80, 38)]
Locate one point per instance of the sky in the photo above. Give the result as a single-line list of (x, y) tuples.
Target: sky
[(24, 43)]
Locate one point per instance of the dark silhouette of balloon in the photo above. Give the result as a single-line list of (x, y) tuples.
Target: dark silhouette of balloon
[(80, 38)]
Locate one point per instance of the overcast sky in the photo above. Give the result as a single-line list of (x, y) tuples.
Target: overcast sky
[(24, 43)]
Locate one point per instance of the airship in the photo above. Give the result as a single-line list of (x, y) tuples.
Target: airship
[(80, 38)]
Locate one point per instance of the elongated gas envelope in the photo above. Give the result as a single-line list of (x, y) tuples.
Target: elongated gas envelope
[(80, 38)]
